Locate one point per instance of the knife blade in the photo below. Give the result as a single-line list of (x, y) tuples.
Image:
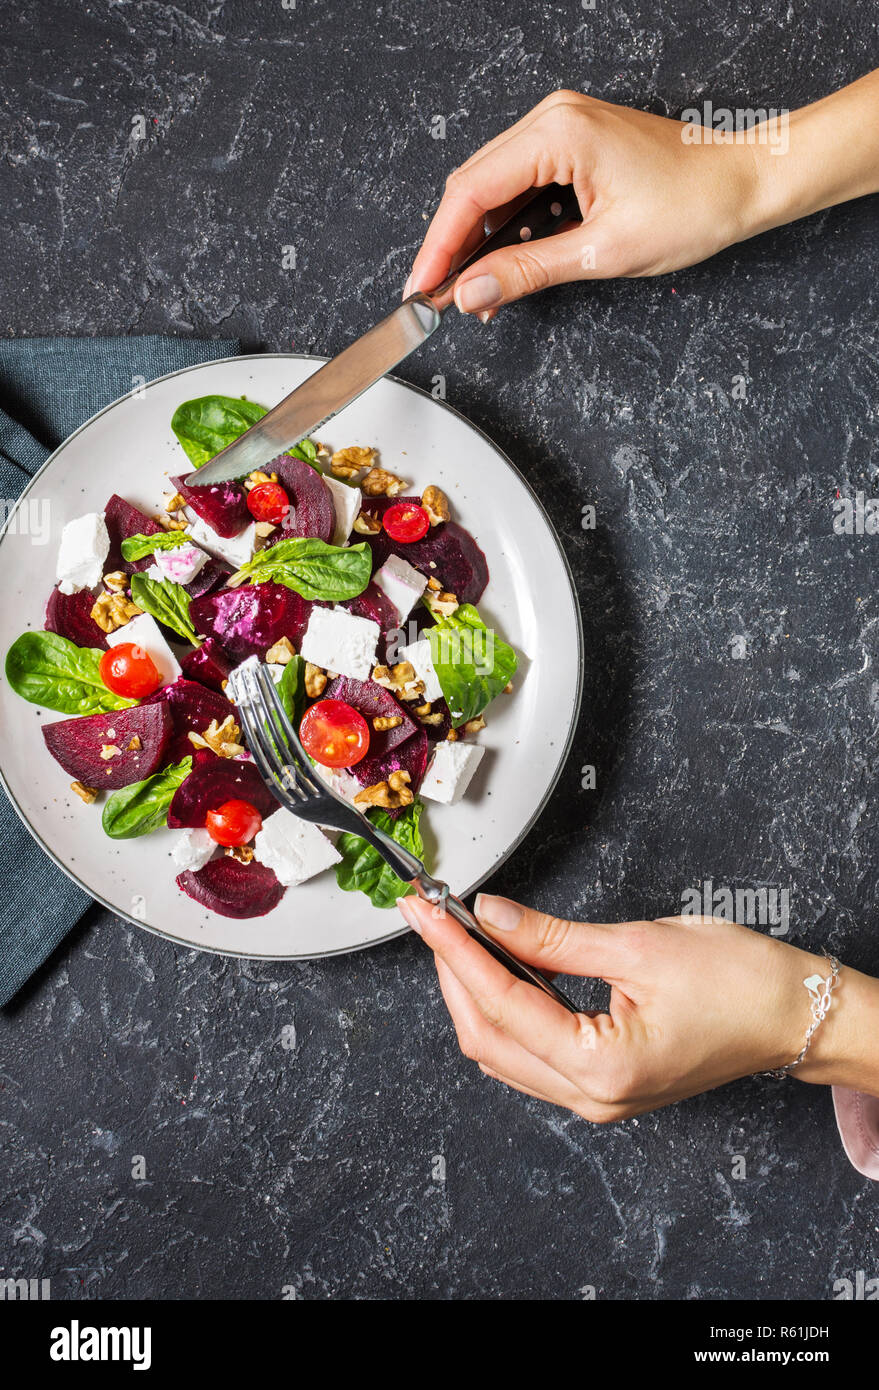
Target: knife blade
[(326, 392), (383, 347)]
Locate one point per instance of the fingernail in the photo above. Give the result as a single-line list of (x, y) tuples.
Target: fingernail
[(482, 292), (486, 316), (499, 913), (407, 288), (408, 915)]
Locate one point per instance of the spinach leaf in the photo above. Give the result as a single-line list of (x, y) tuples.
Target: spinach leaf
[(142, 807), (208, 424), (167, 602), (49, 670), (291, 688), (139, 546), (311, 567), (363, 868), (472, 663)]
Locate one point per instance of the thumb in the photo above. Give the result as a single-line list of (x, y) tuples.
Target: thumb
[(552, 943), (505, 276)]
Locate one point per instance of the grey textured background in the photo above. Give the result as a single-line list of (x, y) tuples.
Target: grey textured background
[(316, 1167)]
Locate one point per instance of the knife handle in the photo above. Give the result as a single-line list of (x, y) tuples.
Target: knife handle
[(541, 216)]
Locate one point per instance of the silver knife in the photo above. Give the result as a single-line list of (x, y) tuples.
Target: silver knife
[(382, 348)]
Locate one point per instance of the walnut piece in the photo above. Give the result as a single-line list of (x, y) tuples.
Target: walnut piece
[(174, 502), (243, 853), (382, 722), (474, 725), (391, 795), (436, 504), (282, 652), (380, 483), (366, 525), (257, 477), (441, 604), (315, 680), (109, 750), (401, 679), (135, 743), (434, 585), (86, 794), (263, 529), (112, 611), (222, 739), (347, 463), (452, 736), (116, 581)]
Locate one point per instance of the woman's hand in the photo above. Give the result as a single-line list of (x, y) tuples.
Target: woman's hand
[(695, 1002), (652, 201)]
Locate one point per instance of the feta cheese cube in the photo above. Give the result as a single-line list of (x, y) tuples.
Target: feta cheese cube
[(235, 550), (450, 771), (402, 583), (182, 563), (338, 641), (144, 631), (85, 544), (419, 655), (154, 573), (347, 501), (340, 781), (293, 848), (193, 849), (275, 670)]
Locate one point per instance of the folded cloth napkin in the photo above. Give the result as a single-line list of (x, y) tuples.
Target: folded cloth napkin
[(48, 388)]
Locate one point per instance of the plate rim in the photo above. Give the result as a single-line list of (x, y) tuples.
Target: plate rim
[(575, 710)]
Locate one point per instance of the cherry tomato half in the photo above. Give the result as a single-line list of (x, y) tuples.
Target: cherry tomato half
[(233, 823), (129, 670), (268, 502), (334, 734), (406, 522)]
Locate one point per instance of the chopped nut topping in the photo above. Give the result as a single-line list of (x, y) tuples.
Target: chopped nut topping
[(109, 750), (382, 722), (508, 688), (452, 736), (436, 504), (401, 679), (434, 584), (135, 744), (366, 525), (392, 794), (474, 725), (322, 450), (315, 680), (172, 523), (222, 739), (86, 794), (116, 581), (112, 611), (174, 502), (380, 483), (347, 463), (282, 652), (441, 604), (433, 719), (263, 529), (257, 477), (243, 853), (423, 709)]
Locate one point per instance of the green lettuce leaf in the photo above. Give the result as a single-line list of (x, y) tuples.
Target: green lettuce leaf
[(208, 424), (167, 602), (138, 547), (362, 867), (49, 670), (142, 807), (472, 663), (311, 567)]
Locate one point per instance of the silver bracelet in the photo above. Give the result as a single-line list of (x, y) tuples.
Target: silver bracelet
[(820, 991)]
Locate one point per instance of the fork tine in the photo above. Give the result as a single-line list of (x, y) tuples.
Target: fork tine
[(291, 752), (264, 746)]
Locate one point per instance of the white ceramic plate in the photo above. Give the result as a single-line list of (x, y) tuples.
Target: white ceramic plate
[(129, 448)]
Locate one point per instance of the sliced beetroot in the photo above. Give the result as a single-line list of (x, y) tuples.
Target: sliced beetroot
[(233, 889), (70, 615), (209, 579), (436, 733), (208, 664), (213, 781), (124, 520), (312, 511), (373, 701), (248, 620), (222, 505), (447, 552), (191, 706), (77, 745), (411, 756), (374, 604)]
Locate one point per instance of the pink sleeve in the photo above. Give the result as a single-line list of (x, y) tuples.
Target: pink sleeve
[(857, 1116)]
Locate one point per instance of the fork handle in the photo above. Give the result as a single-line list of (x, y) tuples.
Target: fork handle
[(462, 914)]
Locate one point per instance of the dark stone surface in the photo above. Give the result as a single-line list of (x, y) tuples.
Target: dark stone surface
[(317, 1167)]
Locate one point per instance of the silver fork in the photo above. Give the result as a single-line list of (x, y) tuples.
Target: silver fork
[(289, 775)]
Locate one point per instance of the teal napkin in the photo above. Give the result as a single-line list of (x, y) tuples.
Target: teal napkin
[(48, 388)]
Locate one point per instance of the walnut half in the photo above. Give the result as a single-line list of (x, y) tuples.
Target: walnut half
[(222, 739), (380, 483), (436, 504), (392, 794)]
